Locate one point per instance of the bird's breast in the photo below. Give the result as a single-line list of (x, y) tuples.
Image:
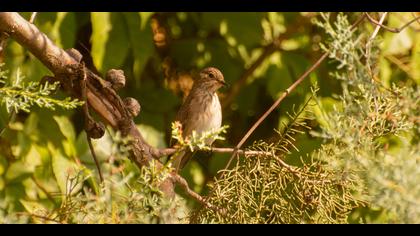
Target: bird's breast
[(209, 117)]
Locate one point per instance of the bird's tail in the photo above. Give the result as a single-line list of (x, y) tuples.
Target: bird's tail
[(180, 159)]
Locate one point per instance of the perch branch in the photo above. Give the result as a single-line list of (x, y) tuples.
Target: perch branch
[(170, 151)]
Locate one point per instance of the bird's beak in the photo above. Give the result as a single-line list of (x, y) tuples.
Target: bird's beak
[(226, 85)]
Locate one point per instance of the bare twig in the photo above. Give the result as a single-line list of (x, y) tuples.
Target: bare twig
[(32, 17), (45, 218), (170, 151), (87, 120), (48, 194), (400, 64), (369, 43), (276, 103), (414, 15), (184, 185), (390, 29)]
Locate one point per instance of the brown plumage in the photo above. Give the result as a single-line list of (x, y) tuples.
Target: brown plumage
[(201, 110)]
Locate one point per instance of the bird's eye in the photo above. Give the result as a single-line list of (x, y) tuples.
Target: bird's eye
[(211, 75)]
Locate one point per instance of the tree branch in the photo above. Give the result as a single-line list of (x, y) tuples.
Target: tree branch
[(170, 151), (390, 29), (184, 185), (100, 95), (280, 99)]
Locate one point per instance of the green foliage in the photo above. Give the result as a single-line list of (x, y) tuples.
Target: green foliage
[(373, 134), (117, 202), (265, 189), (21, 96)]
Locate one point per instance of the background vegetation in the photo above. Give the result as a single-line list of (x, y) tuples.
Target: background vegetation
[(344, 144)]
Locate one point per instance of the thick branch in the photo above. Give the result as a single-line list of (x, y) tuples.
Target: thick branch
[(101, 97)]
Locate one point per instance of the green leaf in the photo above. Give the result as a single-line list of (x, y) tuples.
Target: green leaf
[(3, 164), (31, 125), (67, 29), (64, 169), (2, 183), (66, 127), (101, 26), (140, 38), (145, 16), (152, 135), (34, 208), (18, 171), (116, 47), (244, 27), (67, 130), (25, 166), (278, 80)]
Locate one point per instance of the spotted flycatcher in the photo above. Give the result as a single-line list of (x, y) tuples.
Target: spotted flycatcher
[(201, 111)]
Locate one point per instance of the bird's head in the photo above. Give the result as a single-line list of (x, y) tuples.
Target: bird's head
[(212, 79)]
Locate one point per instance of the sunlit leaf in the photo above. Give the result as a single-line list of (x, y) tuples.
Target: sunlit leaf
[(64, 170), (66, 127), (101, 26)]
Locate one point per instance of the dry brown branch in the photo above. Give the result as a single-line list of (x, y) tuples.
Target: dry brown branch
[(170, 151), (390, 29), (369, 43), (98, 92), (100, 96), (184, 185), (278, 101), (275, 104)]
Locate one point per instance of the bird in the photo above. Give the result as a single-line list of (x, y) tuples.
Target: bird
[(200, 112)]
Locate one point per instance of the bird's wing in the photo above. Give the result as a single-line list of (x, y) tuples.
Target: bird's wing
[(180, 159), (182, 116)]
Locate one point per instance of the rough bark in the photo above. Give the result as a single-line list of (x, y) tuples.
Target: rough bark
[(100, 95)]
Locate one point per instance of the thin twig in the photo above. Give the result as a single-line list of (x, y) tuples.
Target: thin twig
[(400, 64), (170, 151), (414, 15), (49, 196), (369, 43), (45, 218), (276, 103), (87, 117), (32, 17), (390, 29), (184, 185)]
